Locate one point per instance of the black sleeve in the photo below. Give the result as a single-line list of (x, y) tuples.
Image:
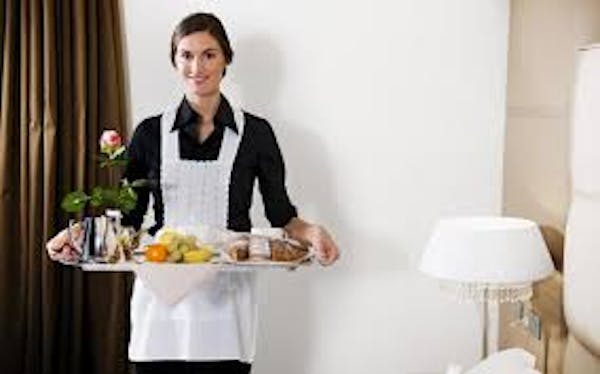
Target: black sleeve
[(271, 178), (138, 168)]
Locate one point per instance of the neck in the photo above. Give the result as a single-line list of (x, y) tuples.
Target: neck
[(206, 105)]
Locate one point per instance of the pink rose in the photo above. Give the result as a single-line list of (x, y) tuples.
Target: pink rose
[(110, 141)]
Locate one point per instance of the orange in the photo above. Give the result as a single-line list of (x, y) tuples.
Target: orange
[(156, 253)]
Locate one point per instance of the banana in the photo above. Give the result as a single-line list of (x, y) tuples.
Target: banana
[(197, 256)]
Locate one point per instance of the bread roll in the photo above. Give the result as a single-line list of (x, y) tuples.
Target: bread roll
[(238, 250), (286, 251)]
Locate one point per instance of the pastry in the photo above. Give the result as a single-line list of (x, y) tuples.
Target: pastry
[(259, 249), (286, 251), (239, 250)]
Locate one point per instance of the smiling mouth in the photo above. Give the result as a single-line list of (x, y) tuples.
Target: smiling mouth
[(198, 80)]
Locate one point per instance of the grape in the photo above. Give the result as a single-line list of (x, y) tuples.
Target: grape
[(184, 247), (175, 256)]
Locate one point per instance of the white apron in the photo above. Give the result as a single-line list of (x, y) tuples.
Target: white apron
[(217, 319)]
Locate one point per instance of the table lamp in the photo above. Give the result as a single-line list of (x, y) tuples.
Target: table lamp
[(487, 259)]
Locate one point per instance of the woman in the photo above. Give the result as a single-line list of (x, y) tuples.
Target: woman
[(207, 153)]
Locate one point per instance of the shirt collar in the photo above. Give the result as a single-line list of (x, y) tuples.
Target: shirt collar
[(187, 117)]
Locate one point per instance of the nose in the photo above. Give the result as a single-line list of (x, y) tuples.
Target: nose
[(197, 65)]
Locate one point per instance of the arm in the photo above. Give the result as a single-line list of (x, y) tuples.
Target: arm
[(278, 208), (137, 168)]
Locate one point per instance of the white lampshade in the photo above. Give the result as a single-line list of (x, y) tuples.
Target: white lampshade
[(487, 250)]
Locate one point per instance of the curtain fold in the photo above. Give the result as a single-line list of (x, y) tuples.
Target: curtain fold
[(61, 84)]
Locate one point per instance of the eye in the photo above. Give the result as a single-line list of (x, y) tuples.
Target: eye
[(210, 55), (186, 55)]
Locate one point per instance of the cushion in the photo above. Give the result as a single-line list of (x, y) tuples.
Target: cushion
[(508, 361)]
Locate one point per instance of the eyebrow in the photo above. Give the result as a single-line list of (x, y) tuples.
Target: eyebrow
[(211, 49)]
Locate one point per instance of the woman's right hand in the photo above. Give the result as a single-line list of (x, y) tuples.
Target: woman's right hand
[(60, 247), (326, 250)]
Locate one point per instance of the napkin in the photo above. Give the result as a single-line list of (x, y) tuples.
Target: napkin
[(170, 283)]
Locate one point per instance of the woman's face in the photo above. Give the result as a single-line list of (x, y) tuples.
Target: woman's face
[(200, 63)]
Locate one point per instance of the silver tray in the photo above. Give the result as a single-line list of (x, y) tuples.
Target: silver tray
[(131, 266)]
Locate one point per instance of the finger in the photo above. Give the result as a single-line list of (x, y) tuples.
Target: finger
[(326, 258), (54, 256), (332, 254)]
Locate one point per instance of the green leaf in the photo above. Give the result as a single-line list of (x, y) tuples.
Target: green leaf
[(97, 197), (104, 197), (119, 153), (116, 158), (121, 161), (74, 202), (103, 160), (127, 199)]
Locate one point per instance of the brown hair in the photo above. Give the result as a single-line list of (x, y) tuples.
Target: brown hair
[(198, 22)]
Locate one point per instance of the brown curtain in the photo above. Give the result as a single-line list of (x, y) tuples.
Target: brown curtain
[(61, 84)]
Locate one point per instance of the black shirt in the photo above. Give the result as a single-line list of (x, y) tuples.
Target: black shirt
[(258, 157)]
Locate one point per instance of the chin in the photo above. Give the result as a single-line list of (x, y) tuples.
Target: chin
[(203, 91)]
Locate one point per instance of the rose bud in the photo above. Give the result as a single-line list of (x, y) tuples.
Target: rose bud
[(110, 141)]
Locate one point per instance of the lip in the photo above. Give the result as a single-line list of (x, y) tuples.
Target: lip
[(198, 80)]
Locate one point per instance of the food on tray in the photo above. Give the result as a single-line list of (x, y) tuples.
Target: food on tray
[(175, 256), (259, 248), (204, 254), (166, 236), (127, 239), (175, 245), (182, 247), (263, 249), (156, 252), (282, 250), (238, 250)]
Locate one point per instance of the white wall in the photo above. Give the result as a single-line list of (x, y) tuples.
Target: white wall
[(389, 114)]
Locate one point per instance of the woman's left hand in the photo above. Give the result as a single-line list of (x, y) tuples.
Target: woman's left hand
[(326, 250)]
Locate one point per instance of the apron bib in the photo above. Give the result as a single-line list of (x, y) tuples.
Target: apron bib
[(216, 320)]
